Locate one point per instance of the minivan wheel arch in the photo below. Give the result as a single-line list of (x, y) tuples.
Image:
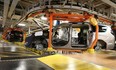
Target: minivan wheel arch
[(100, 45), (40, 43)]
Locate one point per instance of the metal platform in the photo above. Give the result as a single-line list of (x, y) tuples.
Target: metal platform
[(11, 53), (13, 57), (24, 64)]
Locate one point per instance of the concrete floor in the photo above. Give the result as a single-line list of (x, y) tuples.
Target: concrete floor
[(62, 62), (105, 58)]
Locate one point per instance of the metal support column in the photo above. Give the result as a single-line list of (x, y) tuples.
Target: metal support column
[(6, 7), (50, 32)]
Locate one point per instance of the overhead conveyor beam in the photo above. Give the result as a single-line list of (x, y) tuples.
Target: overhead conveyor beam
[(64, 2), (109, 3), (12, 8), (98, 4), (64, 7), (6, 6)]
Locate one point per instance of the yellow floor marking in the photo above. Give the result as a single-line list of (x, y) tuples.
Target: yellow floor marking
[(61, 62)]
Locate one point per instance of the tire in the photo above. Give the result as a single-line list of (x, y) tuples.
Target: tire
[(41, 44), (98, 46)]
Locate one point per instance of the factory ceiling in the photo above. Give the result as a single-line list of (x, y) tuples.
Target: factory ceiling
[(12, 11)]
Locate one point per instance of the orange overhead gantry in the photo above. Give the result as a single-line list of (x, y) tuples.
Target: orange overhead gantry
[(72, 18), (105, 20)]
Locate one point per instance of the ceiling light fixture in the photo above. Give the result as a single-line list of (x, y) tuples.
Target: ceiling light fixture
[(21, 24), (43, 18)]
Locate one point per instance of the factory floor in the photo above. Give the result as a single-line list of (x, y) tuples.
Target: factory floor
[(13, 57), (105, 58)]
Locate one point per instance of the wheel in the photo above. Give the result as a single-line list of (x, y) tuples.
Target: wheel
[(98, 46), (41, 44), (39, 47)]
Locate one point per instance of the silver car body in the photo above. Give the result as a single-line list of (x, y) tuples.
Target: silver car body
[(106, 35)]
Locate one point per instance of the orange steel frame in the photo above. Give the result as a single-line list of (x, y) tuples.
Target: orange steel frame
[(105, 20), (73, 18), (10, 29), (69, 17)]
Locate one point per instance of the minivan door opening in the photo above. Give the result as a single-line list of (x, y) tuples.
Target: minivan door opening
[(80, 36)]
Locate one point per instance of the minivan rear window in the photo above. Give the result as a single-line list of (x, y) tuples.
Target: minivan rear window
[(101, 28)]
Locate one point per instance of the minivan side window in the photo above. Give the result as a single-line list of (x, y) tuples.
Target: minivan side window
[(101, 28)]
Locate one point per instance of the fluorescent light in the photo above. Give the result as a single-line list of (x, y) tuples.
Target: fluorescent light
[(64, 22), (21, 24), (113, 14), (43, 18)]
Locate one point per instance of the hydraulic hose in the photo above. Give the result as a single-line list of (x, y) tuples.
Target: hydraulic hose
[(96, 38), (94, 22)]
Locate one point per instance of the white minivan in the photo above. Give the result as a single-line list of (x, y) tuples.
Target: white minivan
[(106, 38)]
